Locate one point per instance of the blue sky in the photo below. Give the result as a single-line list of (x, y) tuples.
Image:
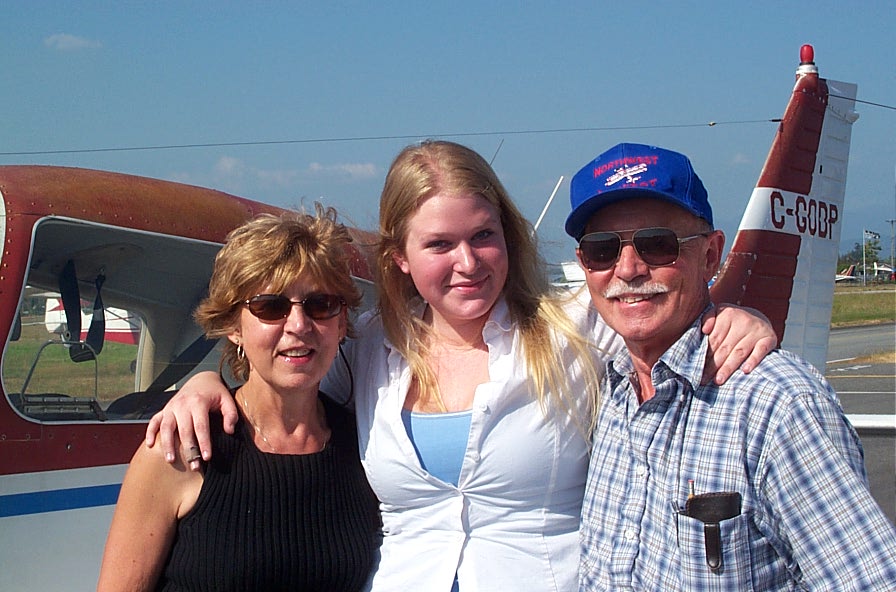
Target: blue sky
[(98, 75)]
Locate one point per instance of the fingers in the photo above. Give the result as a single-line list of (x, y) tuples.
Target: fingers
[(173, 427), (709, 321), (192, 454), (718, 361), (166, 434), (152, 428), (192, 457), (230, 413), (186, 416), (717, 329), (722, 363), (195, 427), (738, 338), (745, 354), (760, 350)]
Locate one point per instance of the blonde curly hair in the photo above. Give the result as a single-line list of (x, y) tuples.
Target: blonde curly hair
[(273, 252)]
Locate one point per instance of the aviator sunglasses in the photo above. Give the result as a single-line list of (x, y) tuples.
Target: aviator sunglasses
[(276, 307), (657, 247)]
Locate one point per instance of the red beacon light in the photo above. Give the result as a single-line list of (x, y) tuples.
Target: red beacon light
[(807, 54), (807, 61)]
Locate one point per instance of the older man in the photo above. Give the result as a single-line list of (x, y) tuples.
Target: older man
[(755, 484)]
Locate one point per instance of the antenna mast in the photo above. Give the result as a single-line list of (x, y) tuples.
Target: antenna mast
[(547, 205)]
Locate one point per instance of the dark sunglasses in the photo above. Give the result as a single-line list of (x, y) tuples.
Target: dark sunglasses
[(276, 307), (657, 247)]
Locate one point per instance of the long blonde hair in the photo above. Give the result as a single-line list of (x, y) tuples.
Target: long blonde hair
[(423, 170)]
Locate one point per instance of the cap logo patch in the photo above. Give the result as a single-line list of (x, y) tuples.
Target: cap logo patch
[(625, 161), (630, 174)]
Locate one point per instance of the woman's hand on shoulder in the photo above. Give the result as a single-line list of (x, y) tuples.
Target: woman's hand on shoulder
[(185, 419), (739, 337)]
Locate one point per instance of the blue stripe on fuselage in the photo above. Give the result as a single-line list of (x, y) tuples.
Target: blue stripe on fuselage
[(20, 504)]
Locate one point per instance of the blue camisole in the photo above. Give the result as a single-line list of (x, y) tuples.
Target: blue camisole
[(440, 440)]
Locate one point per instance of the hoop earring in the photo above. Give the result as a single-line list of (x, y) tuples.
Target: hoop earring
[(240, 353)]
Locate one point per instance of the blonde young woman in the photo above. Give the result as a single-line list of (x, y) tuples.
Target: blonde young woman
[(284, 504), (473, 386)]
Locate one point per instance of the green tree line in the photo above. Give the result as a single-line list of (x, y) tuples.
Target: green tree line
[(868, 252)]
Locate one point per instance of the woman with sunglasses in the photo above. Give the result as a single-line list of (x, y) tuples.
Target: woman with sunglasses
[(284, 503), (474, 386)]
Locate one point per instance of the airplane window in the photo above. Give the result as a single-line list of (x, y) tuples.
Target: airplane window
[(38, 367), (65, 366)]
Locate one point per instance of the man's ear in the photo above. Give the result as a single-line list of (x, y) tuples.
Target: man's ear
[(715, 243)]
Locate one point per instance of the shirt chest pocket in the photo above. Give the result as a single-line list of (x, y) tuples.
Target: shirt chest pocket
[(729, 540)]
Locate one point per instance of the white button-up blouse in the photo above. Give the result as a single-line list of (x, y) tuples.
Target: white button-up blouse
[(512, 521)]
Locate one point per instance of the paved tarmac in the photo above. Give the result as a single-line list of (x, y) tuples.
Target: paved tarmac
[(867, 392)]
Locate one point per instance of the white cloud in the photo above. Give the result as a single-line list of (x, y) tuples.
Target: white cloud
[(234, 175), (66, 42), (228, 166), (741, 158), (354, 171), (277, 178)]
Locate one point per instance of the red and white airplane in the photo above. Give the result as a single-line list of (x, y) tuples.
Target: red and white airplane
[(847, 275), (121, 326), (73, 407)]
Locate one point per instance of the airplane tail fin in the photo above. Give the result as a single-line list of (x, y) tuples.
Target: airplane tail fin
[(784, 255), (848, 274)]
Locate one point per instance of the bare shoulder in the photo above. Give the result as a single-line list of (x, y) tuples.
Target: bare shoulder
[(170, 487)]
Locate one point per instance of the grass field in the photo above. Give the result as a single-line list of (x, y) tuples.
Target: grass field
[(54, 372), (857, 305)]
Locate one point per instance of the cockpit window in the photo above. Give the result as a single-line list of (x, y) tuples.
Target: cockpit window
[(105, 328)]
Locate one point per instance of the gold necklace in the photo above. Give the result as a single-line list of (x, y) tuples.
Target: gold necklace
[(254, 425), (260, 432)]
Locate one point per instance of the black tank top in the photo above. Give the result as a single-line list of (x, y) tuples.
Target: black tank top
[(278, 521)]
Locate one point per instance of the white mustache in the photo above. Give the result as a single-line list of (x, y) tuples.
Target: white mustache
[(621, 288)]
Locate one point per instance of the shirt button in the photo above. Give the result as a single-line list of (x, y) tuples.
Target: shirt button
[(630, 534), (482, 407), (474, 456), (641, 470)]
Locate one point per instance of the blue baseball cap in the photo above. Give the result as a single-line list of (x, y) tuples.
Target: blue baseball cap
[(634, 170)]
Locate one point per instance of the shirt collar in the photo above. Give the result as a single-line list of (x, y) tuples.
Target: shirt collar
[(499, 322), (685, 359)]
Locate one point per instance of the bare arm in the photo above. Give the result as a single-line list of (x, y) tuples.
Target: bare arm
[(738, 338), (153, 496), (185, 417)]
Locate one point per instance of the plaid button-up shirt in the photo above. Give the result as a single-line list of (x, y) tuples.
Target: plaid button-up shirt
[(777, 436)]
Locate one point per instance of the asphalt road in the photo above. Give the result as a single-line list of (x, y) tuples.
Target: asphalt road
[(868, 394), (854, 342)]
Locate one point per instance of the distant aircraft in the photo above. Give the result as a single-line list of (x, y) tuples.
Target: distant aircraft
[(73, 406), (121, 326), (847, 275), (882, 271)]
